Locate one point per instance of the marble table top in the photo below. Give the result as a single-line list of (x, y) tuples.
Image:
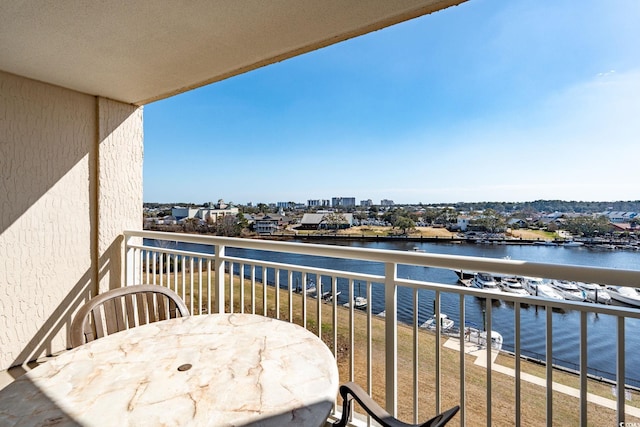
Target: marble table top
[(217, 370)]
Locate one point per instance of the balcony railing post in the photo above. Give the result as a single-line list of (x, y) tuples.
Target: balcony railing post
[(219, 284), (131, 268), (620, 372), (391, 337)]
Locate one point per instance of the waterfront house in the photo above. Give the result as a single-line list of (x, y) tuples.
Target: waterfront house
[(269, 224)]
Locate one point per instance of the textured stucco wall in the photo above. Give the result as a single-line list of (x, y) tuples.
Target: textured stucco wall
[(70, 182), (119, 186)]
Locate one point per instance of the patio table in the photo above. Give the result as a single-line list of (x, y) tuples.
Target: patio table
[(219, 370)]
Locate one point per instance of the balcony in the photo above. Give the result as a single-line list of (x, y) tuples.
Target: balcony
[(412, 371)]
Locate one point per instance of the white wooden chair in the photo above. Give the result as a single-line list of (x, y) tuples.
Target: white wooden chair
[(124, 308)]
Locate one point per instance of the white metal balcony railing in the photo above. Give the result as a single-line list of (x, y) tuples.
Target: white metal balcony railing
[(167, 259)]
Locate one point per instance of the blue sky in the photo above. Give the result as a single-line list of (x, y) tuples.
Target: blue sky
[(487, 101)]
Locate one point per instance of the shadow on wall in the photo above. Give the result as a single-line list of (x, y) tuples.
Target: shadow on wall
[(60, 319)]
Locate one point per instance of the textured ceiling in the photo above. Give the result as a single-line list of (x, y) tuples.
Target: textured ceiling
[(140, 51)]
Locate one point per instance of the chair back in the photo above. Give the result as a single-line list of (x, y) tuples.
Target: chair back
[(124, 308)]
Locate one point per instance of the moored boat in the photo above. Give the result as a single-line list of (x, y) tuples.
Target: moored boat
[(445, 323), (536, 287), (624, 294), (358, 302), (595, 292), (328, 296), (485, 281), (512, 285), (569, 290)]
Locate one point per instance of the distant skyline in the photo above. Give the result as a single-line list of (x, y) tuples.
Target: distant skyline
[(487, 101)]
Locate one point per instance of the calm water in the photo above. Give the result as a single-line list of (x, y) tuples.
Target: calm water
[(566, 326)]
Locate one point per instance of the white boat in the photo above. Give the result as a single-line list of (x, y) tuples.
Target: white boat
[(512, 285), (358, 302), (479, 337), (595, 292), (572, 244), (416, 249), (624, 294), (545, 243), (328, 296), (311, 289), (536, 287), (445, 323), (569, 290), (485, 281)]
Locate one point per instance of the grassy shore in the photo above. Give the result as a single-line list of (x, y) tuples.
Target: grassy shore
[(346, 347), (418, 232)]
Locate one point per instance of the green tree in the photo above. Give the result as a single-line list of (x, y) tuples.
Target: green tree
[(447, 216), (588, 226), (404, 223), (492, 221)]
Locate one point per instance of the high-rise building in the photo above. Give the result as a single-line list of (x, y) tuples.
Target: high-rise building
[(318, 203), (343, 202)]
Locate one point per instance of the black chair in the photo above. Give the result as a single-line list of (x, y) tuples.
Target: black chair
[(350, 391)]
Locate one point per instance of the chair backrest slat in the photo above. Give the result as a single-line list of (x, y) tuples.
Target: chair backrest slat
[(110, 316), (116, 310), (151, 308), (141, 304), (162, 308), (130, 311)]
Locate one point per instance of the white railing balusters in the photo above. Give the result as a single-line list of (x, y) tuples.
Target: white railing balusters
[(334, 314), (241, 288), (219, 283), (620, 372), (438, 361), (200, 286), (290, 288), (516, 342), (583, 368), (176, 260), (264, 291), (462, 361), (253, 289), (351, 331), (549, 367), (319, 304), (369, 344), (209, 283), (304, 300), (416, 357), (183, 276), (391, 337), (489, 351), (155, 256)]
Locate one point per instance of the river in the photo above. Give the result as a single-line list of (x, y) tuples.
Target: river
[(601, 329)]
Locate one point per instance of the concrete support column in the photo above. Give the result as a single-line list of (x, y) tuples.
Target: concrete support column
[(118, 187)]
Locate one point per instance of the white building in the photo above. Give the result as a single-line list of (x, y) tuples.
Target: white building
[(343, 202), (318, 203)]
